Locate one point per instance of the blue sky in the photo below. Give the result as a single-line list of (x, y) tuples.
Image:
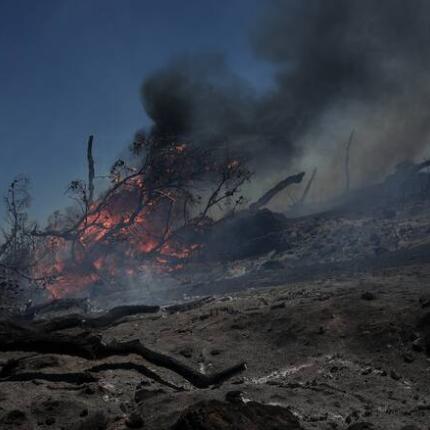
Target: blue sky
[(70, 68)]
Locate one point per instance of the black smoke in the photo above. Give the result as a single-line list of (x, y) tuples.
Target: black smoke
[(338, 50), (198, 96), (327, 55)]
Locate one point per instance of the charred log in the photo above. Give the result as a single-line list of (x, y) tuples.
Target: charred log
[(14, 337), (77, 378), (18, 370), (112, 317), (53, 306), (139, 368), (188, 306)]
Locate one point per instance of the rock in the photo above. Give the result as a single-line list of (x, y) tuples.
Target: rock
[(368, 296), (379, 250), (408, 357), (204, 317), (134, 421), (186, 352), (418, 344), (424, 321), (143, 394), (217, 415), (394, 375), (354, 415), (95, 421), (64, 412), (424, 325), (361, 426), (425, 301), (14, 417), (278, 306), (235, 396), (272, 265), (41, 362), (50, 421), (238, 326), (381, 372)]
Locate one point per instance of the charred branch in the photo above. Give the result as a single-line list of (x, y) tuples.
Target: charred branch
[(139, 368), (54, 306), (347, 160), (15, 337), (188, 306), (77, 378), (91, 170), (280, 186), (110, 318), (308, 187), (12, 371)]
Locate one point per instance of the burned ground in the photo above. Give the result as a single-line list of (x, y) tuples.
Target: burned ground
[(335, 352), (334, 328)]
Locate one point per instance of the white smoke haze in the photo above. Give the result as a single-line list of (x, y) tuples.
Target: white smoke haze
[(385, 134)]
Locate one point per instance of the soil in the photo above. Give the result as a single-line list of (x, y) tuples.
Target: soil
[(332, 340)]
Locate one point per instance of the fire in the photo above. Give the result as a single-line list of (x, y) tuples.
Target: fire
[(109, 247), (69, 283), (141, 223), (181, 148)]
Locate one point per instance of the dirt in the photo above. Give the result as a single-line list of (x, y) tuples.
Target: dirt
[(335, 342), (334, 352)]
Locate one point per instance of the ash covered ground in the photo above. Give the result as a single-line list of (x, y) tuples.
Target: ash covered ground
[(333, 324)]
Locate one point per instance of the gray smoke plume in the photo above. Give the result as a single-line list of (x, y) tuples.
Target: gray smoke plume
[(340, 65)]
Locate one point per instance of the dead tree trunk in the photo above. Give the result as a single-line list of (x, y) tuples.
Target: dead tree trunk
[(347, 156), (91, 170), (266, 197), (308, 187), (113, 317)]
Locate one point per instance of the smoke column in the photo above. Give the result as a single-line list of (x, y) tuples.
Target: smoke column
[(339, 65)]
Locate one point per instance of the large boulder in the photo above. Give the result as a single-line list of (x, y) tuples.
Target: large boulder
[(217, 415)]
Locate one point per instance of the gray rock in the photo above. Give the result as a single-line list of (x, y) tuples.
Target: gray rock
[(216, 415), (134, 421)]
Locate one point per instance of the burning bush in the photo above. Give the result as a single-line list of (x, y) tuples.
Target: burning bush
[(150, 216)]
